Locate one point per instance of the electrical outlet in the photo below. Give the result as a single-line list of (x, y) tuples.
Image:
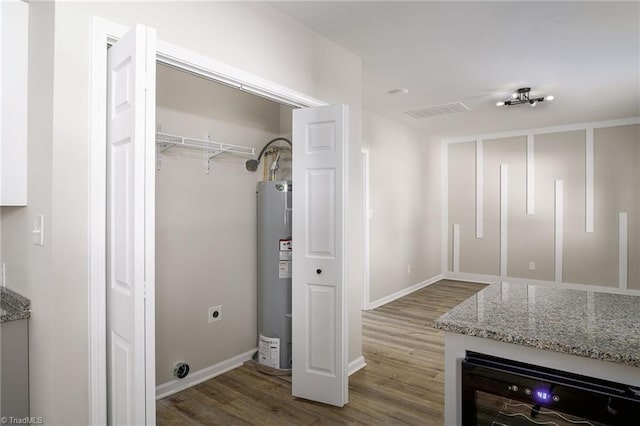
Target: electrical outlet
[(215, 313), (408, 269), (532, 266)]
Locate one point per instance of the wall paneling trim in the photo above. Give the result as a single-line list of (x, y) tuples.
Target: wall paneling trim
[(555, 205), (456, 248), (504, 214), (622, 250), (531, 175), (559, 230), (479, 186), (588, 214)]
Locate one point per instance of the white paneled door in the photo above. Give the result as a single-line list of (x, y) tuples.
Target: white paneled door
[(130, 228), (319, 290)]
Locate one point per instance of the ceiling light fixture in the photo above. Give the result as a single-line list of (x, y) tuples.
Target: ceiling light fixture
[(521, 96)]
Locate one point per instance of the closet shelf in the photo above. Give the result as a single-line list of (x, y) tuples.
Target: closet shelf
[(166, 141)]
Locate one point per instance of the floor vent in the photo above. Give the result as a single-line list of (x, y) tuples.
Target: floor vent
[(438, 110)]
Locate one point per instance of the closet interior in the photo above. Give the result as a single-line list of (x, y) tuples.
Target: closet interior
[(206, 217)]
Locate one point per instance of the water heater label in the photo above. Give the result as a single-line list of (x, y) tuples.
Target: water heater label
[(269, 351), (285, 255), (285, 245), (284, 269)]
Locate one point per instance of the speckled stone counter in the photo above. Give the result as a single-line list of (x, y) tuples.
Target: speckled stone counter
[(13, 307), (589, 324)]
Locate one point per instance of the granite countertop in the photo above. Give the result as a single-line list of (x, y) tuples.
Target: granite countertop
[(13, 307), (589, 324)]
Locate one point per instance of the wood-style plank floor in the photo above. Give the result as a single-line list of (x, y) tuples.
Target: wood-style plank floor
[(403, 382)]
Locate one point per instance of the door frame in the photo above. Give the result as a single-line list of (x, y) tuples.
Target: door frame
[(103, 33)]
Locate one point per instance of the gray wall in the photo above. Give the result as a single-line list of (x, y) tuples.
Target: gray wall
[(587, 258), (206, 223), (402, 185), (253, 37)]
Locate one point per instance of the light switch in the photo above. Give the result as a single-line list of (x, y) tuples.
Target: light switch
[(37, 232)]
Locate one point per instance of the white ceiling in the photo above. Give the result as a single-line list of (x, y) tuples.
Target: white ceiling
[(587, 54)]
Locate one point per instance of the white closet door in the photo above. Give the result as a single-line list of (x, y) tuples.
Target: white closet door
[(319, 308), (130, 228)]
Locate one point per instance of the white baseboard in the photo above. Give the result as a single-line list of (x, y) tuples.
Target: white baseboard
[(471, 278), (203, 375), (174, 386), (401, 293), (490, 279), (357, 364)]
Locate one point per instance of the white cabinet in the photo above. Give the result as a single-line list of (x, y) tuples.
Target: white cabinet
[(14, 49)]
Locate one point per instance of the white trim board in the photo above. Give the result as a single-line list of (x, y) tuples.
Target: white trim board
[(367, 214), (479, 189), (504, 217), (490, 279), (559, 230), (622, 250), (545, 130), (356, 365), (204, 374), (589, 179), (531, 174), (444, 260), (470, 278), (104, 32), (405, 291), (455, 243)]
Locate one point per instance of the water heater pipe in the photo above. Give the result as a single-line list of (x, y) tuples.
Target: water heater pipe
[(275, 166), (252, 165)]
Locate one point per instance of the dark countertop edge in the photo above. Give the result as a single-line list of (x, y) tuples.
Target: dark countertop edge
[(549, 345)]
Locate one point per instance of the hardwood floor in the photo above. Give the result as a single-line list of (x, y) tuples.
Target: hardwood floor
[(403, 382)]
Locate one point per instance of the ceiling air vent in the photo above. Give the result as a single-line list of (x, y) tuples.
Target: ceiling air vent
[(438, 110)]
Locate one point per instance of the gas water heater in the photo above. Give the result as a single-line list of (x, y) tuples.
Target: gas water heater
[(274, 274)]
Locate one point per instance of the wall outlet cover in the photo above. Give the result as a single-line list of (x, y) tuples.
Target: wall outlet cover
[(37, 231), (215, 313)]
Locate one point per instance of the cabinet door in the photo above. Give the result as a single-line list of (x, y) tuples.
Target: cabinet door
[(14, 380), (14, 48)]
